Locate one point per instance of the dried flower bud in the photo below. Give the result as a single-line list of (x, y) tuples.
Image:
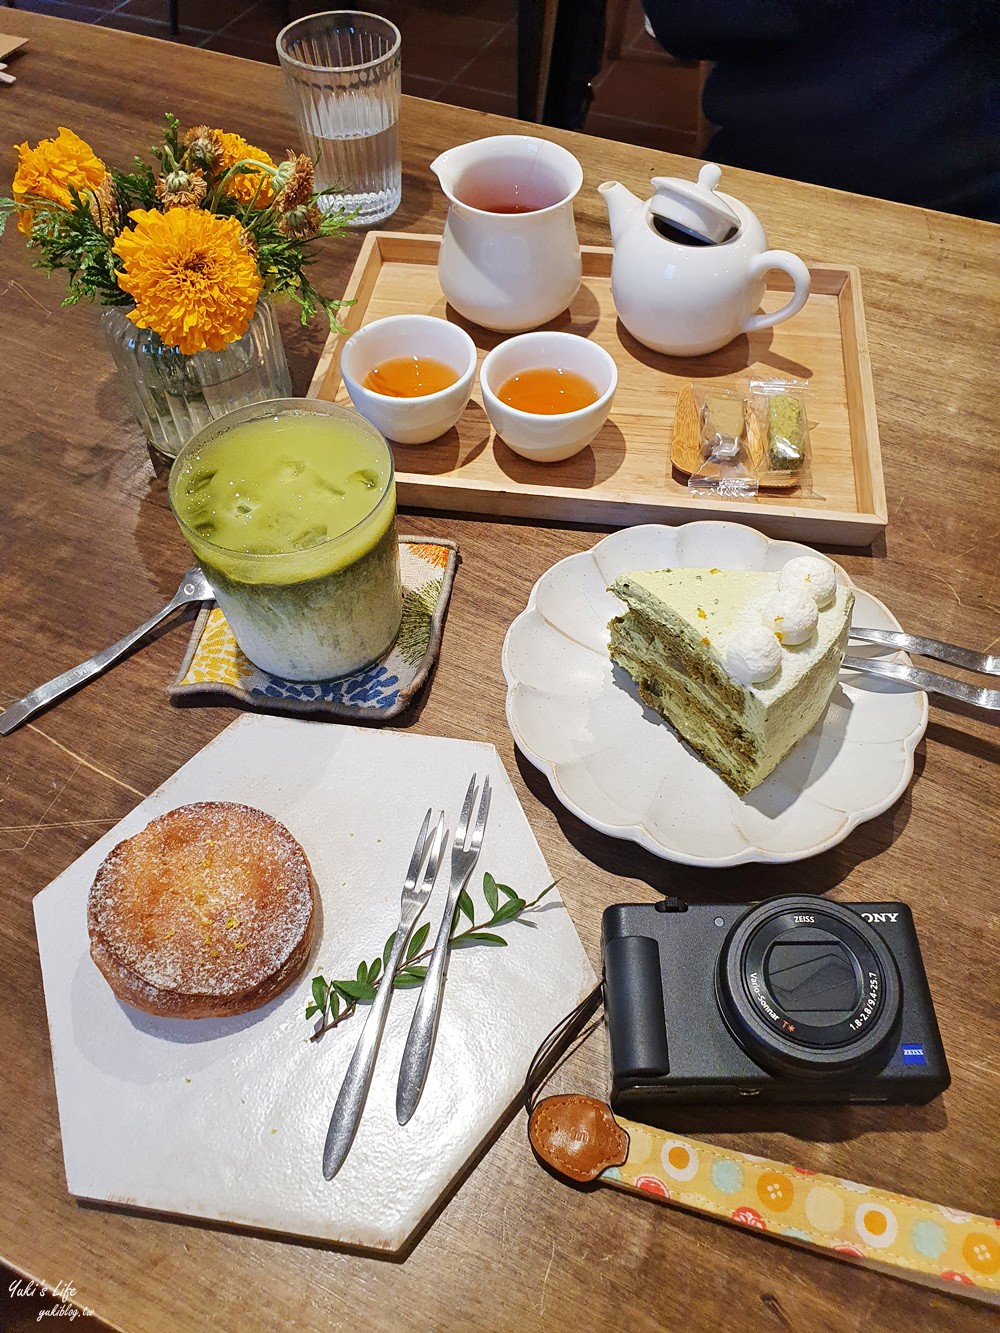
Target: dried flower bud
[(302, 223), (249, 242), (282, 174), (297, 187), (182, 189), (204, 147), (103, 204)]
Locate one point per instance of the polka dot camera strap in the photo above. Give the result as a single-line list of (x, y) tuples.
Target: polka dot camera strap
[(909, 1238)]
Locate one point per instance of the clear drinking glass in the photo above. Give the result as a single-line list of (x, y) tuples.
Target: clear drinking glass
[(342, 72)]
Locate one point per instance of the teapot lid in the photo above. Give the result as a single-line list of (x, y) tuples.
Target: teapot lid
[(694, 206)]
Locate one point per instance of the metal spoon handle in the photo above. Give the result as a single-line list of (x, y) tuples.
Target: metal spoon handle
[(976, 695), (16, 713), (944, 652)]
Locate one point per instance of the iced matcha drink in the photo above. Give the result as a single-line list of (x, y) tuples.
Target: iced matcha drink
[(290, 509)]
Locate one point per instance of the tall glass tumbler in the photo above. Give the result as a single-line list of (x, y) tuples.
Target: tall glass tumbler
[(342, 71)]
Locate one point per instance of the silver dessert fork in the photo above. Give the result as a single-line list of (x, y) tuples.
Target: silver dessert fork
[(195, 587), (423, 1026), (354, 1089), (976, 695), (985, 663)]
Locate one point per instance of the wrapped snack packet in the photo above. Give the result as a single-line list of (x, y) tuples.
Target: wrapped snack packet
[(735, 439), (780, 408), (787, 433), (712, 436)]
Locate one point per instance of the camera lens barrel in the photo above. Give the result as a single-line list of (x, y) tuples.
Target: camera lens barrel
[(807, 987)]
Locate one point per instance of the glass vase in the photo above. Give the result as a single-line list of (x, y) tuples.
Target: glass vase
[(173, 396)]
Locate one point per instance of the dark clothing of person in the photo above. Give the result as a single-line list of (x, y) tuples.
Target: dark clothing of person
[(899, 99)]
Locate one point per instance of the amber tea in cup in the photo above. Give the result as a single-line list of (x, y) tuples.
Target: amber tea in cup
[(410, 377), (547, 391)]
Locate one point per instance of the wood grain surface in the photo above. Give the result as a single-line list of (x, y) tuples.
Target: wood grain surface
[(90, 549), (625, 476)]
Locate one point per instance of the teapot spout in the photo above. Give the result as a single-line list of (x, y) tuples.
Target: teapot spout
[(621, 205)]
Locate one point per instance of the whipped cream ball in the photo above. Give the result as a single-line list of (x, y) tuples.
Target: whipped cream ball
[(810, 574), (753, 655), (792, 616)]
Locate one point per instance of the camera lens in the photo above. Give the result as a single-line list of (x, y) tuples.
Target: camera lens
[(807, 987)]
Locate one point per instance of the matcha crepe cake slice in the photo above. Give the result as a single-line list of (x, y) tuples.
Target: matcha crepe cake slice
[(742, 662)]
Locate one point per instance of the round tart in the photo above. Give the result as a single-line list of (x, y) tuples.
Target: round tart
[(209, 911)]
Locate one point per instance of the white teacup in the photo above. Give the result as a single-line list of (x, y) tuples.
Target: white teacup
[(542, 437), (409, 420)]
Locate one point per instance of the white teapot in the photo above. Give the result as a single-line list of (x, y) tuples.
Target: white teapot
[(689, 265)]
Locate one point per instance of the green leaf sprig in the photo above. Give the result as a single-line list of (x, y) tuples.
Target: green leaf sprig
[(334, 1001)]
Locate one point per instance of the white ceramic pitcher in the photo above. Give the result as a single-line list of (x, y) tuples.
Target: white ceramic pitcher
[(510, 258)]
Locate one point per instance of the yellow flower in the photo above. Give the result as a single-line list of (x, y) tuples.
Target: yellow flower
[(52, 169), (193, 281), (244, 186)]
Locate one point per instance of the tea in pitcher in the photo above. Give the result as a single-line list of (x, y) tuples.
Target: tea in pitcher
[(509, 187)]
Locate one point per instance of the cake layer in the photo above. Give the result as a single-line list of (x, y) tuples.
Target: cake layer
[(724, 748), (673, 642)]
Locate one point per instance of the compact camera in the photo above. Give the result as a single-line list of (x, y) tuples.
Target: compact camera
[(795, 999)]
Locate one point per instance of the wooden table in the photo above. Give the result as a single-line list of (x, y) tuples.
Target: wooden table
[(90, 549)]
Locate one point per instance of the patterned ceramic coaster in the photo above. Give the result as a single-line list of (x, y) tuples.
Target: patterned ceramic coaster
[(214, 664)]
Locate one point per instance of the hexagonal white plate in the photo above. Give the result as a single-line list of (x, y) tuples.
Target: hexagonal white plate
[(225, 1118), (621, 770)]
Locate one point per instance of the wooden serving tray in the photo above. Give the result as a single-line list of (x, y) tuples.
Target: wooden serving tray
[(625, 476)]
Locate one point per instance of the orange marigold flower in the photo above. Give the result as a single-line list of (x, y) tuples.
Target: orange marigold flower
[(52, 169), (243, 185), (192, 280)]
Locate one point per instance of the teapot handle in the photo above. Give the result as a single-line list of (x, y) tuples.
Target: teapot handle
[(799, 274)]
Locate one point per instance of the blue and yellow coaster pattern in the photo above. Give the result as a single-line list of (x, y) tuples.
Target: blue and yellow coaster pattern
[(214, 665)]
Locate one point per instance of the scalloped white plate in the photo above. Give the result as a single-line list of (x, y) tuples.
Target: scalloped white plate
[(625, 772)]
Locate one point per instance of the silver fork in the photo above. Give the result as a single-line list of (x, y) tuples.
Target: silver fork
[(195, 587), (423, 1026), (354, 1089), (976, 695), (986, 664)]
